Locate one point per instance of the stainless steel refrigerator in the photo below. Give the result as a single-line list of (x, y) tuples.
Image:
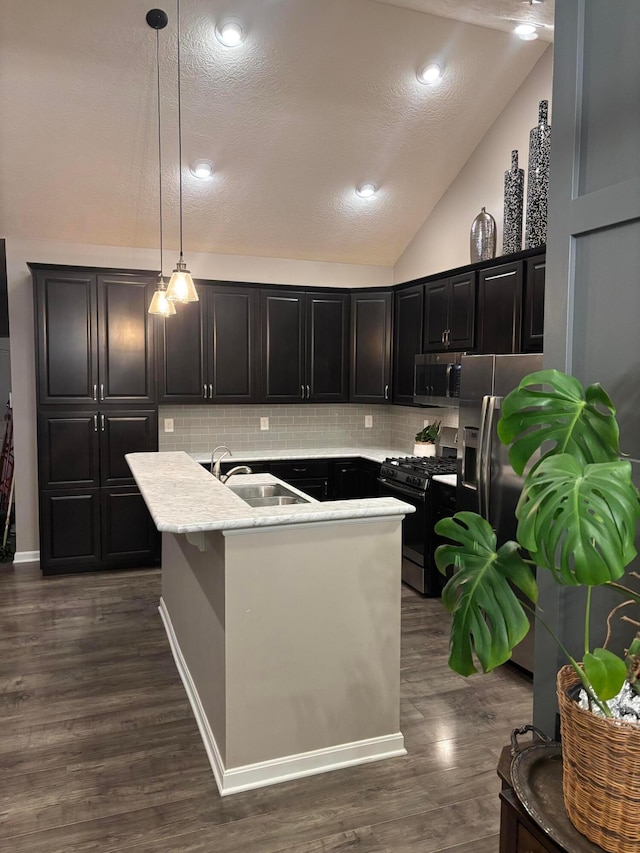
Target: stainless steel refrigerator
[(486, 482)]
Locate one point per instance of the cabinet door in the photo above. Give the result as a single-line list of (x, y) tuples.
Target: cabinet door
[(129, 536), (346, 480), (327, 339), (462, 312), (121, 433), (315, 487), (533, 313), (69, 531), (499, 308), (230, 343), (68, 455), (369, 473), (67, 335), (126, 356), (282, 346), (436, 314), (370, 346), (181, 361), (407, 340)]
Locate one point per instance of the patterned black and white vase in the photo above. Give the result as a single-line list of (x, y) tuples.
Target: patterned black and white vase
[(538, 180), (513, 202)]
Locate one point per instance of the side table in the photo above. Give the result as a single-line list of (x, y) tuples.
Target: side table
[(522, 833)]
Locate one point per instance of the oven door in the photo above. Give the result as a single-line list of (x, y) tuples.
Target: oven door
[(414, 530)]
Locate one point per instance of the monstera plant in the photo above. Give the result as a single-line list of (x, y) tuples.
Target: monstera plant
[(577, 518)]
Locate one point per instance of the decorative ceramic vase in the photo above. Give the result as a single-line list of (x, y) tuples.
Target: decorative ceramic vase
[(423, 448), (513, 202), (538, 180), (483, 237)]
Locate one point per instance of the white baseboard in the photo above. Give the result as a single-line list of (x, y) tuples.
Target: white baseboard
[(26, 557), (236, 779)]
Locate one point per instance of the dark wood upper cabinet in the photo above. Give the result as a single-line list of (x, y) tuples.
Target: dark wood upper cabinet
[(66, 337), (327, 347), (500, 308), (283, 353), (304, 339), (371, 346), (207, 351), (533, 311), (230, 344), (449, 313), (407, 340), (125, 340), (94, 337)]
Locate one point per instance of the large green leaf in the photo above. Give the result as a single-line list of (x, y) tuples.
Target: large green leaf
[(488, 618), (606, 672), (573, 420), (579, 520)]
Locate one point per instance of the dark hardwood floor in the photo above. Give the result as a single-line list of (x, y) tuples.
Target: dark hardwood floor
[(99, 750)]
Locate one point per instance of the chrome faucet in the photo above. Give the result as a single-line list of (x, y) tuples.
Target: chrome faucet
[(239, 469), (215, 463)]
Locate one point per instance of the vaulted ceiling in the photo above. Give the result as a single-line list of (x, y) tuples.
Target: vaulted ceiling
[(321, 96)]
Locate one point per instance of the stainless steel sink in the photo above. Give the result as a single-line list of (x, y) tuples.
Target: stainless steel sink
[(269, 494)]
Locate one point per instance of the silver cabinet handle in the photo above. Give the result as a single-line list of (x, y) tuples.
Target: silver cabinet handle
[(386, 392), (447, 392), (302, 391), (442, 338), (95, 421), (204, 391), (308, 392), (210, 392), (102, 422), (95, 392), (101, 391)]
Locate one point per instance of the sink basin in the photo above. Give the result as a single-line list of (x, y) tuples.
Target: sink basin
[(269, 494)]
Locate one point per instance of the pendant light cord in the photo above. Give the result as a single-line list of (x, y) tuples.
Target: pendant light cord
[(159, 148), (179, 125)]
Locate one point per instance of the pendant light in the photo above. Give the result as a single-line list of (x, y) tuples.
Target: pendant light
[(181, 287), (157, 20)]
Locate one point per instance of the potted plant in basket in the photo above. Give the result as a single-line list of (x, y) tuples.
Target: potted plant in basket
[(577, 518), (425, 441)]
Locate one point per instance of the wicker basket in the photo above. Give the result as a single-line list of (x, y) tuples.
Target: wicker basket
[(601, 773)]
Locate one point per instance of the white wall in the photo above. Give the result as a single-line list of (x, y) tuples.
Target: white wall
[(443, 241), (225, 267)]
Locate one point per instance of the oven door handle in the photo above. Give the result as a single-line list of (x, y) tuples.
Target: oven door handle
[(402, 490)]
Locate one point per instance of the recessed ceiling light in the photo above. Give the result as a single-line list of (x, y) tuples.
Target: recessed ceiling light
[(527, 32), (202, 169), (229, 32), (366, 190), (430, 73)]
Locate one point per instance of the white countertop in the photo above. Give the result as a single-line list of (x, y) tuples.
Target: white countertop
[(183, 497), (449, 479)]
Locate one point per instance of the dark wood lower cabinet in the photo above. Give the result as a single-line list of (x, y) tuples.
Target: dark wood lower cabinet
[(92, 529)]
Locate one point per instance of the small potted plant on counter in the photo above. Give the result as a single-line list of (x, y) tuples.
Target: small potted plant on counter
[(577, 518), (425, 441)]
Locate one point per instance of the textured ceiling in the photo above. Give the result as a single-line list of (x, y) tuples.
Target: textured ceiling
[(321, 96)]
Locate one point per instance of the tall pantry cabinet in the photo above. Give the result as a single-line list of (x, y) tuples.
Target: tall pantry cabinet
[(95, 386)]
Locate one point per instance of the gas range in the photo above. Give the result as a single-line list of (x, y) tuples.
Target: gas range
[(415, 471)]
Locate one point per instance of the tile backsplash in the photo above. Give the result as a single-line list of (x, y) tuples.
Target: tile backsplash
[(201, 428)]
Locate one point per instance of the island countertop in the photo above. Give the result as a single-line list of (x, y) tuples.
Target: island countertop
[(182, 497)]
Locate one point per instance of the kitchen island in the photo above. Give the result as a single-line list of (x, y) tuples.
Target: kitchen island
[(284, 622)]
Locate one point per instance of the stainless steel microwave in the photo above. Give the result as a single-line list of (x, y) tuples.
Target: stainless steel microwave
[(436, 379)]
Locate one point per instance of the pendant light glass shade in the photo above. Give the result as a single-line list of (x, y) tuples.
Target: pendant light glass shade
[(160, 304), (181, 287)]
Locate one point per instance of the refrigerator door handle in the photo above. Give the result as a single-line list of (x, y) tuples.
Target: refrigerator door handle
[(480, 458), (493, 404)]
